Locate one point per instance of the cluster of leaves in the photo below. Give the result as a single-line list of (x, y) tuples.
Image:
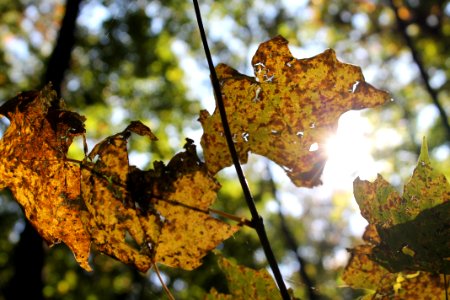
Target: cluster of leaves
[(407, 240), (138, 217), (161, 215)]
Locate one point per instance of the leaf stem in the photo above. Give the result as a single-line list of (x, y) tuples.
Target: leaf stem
[(257, 220), (166, 289), (241, 221)]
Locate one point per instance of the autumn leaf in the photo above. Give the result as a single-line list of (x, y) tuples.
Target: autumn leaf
[(287, 111), (364, 273), (180, 194), (245, 283), (361, 272), (155, 216), (414, 229), (138, 217), (34, 166), (112, 218)]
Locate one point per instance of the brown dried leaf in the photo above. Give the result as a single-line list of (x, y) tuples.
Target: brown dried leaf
[(287, 112), (34, 166)]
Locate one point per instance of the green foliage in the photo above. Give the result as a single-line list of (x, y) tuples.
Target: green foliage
[(245, 283)]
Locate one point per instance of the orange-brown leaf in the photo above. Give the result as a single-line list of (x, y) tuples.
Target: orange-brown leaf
[(287, 110), (34, 166)]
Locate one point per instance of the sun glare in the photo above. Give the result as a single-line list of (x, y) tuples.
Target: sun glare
[(349, 152)]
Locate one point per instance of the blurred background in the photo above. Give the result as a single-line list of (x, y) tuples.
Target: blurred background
[(118, 60)]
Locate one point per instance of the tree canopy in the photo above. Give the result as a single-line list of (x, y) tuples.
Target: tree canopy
[(142, 60)]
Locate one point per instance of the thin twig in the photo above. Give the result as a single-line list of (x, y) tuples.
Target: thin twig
[(423, 73), (291, 242), (240, 220), (166, 289), (256, 218)]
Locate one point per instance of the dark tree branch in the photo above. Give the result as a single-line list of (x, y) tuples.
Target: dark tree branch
[(59, 60), (291, 242), (256, 218), (402, 26)]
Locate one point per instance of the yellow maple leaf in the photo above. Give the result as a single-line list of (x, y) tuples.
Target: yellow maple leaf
[(287, 111), (33, 165)]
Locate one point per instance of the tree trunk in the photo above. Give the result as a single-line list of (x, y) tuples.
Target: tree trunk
[(59, 60)]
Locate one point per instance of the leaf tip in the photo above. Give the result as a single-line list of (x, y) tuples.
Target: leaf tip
[(424, 156)]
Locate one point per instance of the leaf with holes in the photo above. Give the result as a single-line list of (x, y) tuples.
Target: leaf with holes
[(138, 217), (34, 166), (287, 111)]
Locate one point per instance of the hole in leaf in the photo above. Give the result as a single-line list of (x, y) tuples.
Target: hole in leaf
[(259, 66), (76, 149), (96, 158), (245, 136), (130, 240), (355, 86), (287, 169), (313, 147), (256, 98), (269, 79)]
